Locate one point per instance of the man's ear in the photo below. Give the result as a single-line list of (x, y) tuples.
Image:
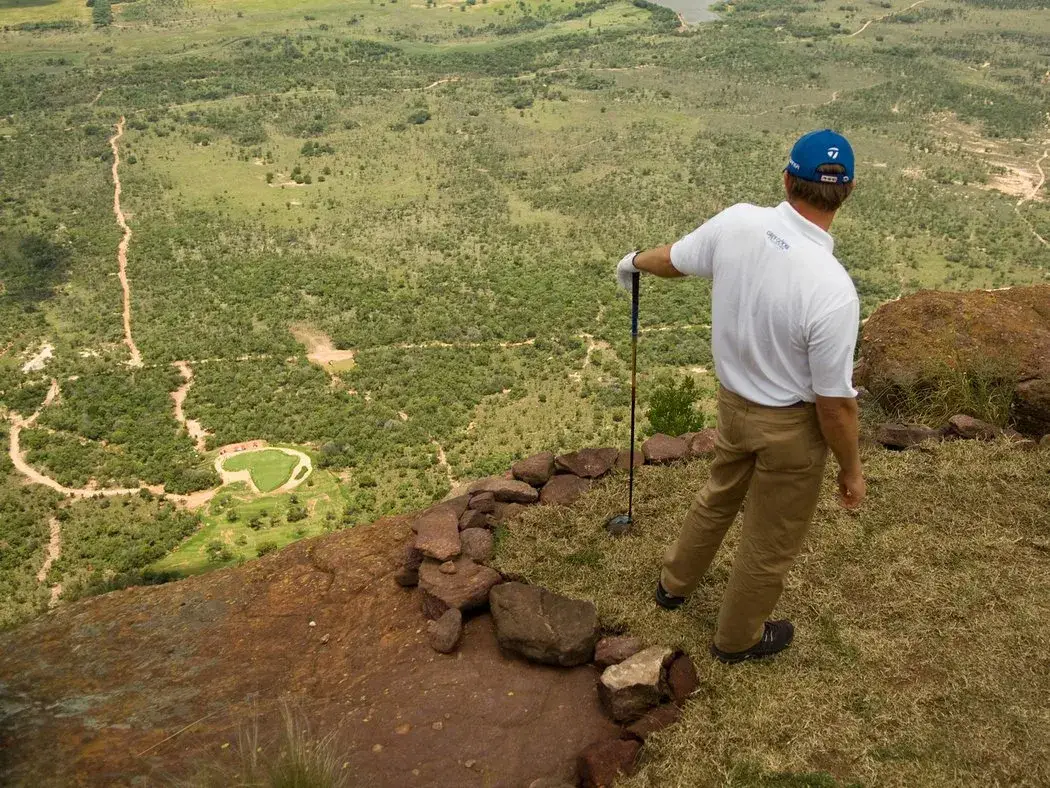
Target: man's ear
[(787, 180)]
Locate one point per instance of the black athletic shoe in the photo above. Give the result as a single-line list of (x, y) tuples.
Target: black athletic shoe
[(665, 600), (776, 637)]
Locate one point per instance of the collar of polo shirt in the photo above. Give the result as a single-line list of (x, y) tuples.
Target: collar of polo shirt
[(805, 226)]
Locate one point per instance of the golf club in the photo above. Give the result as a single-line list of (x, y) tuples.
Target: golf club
[(621, 523)]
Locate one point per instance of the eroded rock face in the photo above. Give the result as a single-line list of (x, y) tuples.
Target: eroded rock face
[(663, 449), (534, 470), (506, 490), (702, 444), (465, 589), (682, 680), (563, 490), (654, 720), (542, 626), (632, 687), (1005, 334), (588, 463)]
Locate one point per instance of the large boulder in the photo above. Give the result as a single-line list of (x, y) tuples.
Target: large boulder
[(563, 490), (920, 341), (663, 449), (478, 544), (437, 534), (506, 490), (543, 626), (632, 687), (467, 588), (534, 470), (588, 463)]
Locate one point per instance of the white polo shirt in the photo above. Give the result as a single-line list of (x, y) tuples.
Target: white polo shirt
[(784, 312)]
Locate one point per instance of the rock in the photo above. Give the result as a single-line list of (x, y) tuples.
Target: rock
[(623, 460), (654, 720), (408, 573), (588, 463), (908, 345), (483, 502), (437, 533), (535, 470), (444, 632), (904, 436), (456, 506), (702, 444), (682, 680), (467, 589), (615, 649), (663, 449), (543, 626), (478, 544), (447, 568), (506, 490), (471, 519), (600, 764), (635, 685), (969, 428), (563, 490)]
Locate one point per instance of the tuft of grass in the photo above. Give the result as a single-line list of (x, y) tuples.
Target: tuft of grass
[(920, 656), (946, 390), (295, 759)]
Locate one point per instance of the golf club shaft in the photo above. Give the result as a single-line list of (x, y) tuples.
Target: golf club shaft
[(634, 387)]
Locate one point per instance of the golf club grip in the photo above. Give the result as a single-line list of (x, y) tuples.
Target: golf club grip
[(635, 281)]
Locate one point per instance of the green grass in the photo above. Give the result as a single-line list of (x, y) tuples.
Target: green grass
[(919, 657), (269, 468)]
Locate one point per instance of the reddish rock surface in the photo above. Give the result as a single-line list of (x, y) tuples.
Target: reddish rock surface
[(623, 460), (969, 428), (615, 649), (904, 436), (702, 444), (534, 470), (563, 490), (663, 449), (682, 680), (437, 534), (465, 588), (588, 463), (913, 342), (472, 518), (655, 720), (141, 685)]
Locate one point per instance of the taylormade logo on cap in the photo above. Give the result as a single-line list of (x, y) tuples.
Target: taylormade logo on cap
[(818, 148)]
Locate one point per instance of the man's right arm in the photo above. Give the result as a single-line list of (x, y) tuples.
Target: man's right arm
[(840, 425), (831, 342)]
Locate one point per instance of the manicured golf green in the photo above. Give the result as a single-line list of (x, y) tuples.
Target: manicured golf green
[(269, 469)]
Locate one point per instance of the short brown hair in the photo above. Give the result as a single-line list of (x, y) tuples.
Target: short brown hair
[(825, 196)]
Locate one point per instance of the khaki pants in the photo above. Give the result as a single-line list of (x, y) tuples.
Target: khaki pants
[(776, 454)]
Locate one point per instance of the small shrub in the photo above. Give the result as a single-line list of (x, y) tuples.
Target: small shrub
[(265, 548), (671, 408)]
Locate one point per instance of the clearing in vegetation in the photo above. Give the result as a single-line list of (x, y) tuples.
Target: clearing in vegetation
[(919, 658), (270, 468)]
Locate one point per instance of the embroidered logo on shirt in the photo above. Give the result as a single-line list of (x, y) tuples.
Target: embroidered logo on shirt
[(777, 241)]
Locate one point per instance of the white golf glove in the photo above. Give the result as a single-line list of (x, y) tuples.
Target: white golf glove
[(625, 270)]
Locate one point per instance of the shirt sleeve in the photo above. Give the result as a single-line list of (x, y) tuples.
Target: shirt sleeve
[(832, 340), (694, 254)]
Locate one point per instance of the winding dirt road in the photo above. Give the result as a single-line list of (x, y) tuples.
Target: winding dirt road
[(193, 427), (122, 250), (884, 16), (54, 550)]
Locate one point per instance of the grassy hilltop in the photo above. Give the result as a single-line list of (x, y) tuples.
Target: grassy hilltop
[(435, 193)]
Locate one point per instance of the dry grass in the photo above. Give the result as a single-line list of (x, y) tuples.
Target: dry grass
[(923, 649)]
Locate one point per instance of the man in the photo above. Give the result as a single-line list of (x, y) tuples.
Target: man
[(784, 317)]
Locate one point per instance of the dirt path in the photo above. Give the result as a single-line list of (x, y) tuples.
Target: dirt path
[(884, 16), (443, 465), (122, 250), (1042, 179), (54, 550), (193, 427)]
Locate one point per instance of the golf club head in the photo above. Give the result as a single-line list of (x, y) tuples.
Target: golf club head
[(619, 524)]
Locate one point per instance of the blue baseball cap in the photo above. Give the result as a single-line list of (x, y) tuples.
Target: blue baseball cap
[(817, 148)]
